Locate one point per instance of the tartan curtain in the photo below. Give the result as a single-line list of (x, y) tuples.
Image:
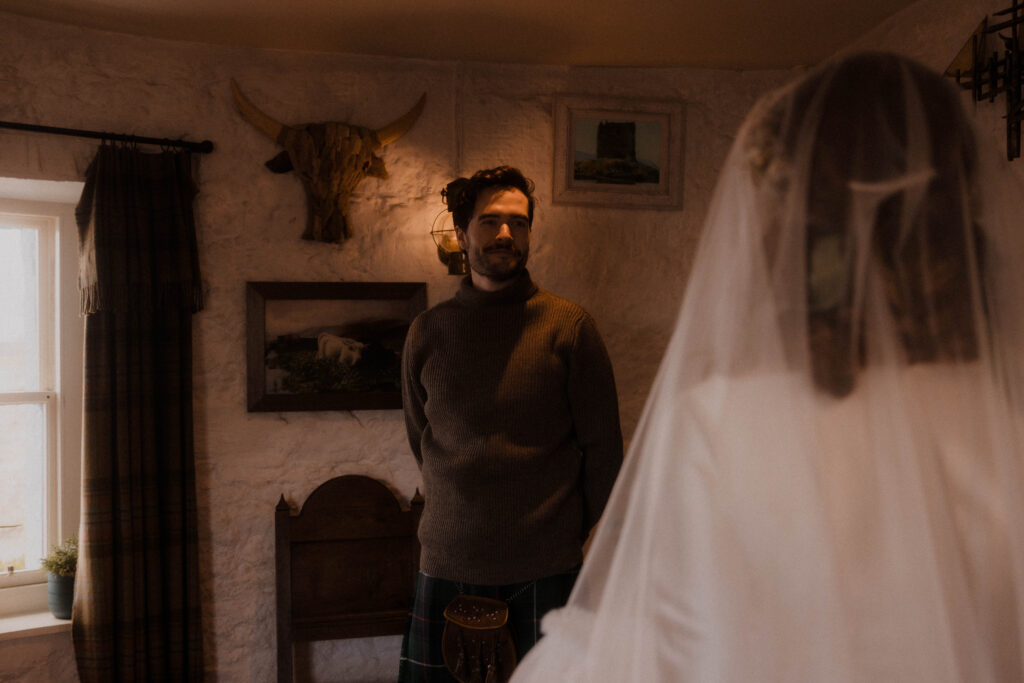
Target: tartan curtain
[(136, 613)]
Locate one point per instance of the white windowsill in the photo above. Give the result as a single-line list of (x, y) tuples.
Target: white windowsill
[(24, 613), (29, 625)]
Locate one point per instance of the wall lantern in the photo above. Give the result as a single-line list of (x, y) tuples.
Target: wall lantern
[(448, 250)]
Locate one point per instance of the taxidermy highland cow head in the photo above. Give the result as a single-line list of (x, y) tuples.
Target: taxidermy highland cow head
[(330, 158)]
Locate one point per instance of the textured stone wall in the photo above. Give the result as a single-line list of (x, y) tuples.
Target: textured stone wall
[(48, 658), (627, 267)]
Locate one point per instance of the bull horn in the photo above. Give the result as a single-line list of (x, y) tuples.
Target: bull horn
[(398, 128), (271, 128)]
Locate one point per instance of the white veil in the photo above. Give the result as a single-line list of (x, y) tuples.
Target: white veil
[(826, 483)]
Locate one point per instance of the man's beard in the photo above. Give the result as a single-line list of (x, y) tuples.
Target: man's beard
[(500, 270)]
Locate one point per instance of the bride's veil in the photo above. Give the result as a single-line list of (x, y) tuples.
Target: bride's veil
[(826, 483)]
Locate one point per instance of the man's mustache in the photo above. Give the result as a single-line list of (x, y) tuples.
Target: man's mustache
[(502, 247)]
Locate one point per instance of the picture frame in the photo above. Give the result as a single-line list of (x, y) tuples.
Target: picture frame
[(327, 345), (618, 152)]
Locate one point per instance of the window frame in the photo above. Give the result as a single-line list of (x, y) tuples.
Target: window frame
[(49, 207)]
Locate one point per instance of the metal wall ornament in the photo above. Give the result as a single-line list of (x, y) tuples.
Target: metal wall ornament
[(988, 72), (331, 159)]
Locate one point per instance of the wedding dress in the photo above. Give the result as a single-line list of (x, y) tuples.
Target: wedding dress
[(826, 483)]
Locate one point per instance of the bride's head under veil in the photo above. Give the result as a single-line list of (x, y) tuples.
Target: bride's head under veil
[(851, 199), (826, 481)]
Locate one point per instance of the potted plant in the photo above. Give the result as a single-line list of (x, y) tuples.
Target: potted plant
[(61, 563)]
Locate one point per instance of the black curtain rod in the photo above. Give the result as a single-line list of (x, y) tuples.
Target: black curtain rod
[(204, 147)]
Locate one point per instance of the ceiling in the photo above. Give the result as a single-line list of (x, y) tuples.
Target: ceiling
[(732, 34)]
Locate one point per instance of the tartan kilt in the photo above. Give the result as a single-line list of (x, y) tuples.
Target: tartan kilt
[(422, 660)]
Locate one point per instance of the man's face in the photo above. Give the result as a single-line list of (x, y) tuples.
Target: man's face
[(497, 238)]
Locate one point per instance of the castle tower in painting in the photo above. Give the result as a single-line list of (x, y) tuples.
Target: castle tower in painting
[(616, 140)]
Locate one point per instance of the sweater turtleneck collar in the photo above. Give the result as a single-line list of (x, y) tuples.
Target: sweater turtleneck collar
[(520, 290)]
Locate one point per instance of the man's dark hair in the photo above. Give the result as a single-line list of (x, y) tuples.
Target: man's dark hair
[(461, 194)]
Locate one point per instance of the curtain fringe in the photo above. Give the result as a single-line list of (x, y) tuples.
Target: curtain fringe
[(132, 297)]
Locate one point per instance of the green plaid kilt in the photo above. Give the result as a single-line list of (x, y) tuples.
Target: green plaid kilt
[(422, 660)]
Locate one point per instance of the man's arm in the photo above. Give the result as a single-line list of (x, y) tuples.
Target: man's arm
[(595, 410), (414, 396)]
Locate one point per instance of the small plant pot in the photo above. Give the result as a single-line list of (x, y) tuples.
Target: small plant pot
[(61, 593)]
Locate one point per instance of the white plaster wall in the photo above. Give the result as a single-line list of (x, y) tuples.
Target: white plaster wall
[(930, 31), (38, 659), (627, 267)]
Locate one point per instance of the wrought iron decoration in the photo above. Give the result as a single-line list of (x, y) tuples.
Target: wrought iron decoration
[(988, 73)]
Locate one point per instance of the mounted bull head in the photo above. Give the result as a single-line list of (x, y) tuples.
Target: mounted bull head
[(330, 158)]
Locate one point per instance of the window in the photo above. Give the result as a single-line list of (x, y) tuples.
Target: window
[(40, 383)]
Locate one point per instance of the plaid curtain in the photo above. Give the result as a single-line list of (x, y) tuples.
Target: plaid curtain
[(136, 613)]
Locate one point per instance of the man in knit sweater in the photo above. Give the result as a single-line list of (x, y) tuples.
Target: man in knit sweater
[(512, 415)]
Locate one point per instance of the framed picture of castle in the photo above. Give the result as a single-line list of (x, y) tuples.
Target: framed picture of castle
[(327, 345), (618, 152)]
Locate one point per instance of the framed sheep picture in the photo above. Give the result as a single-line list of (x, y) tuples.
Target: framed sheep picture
[(327, 345)]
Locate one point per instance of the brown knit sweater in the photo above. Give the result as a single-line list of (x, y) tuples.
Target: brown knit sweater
[(512, 414)]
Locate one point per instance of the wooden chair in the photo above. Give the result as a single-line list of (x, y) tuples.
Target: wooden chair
[(346, 565)]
